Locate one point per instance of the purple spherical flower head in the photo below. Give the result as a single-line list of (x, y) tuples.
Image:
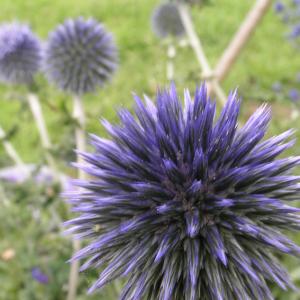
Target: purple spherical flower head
[(186, 205), (166, 21), (20, 54), (80, 56)]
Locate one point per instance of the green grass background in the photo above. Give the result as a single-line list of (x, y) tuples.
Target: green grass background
[(266, 59)]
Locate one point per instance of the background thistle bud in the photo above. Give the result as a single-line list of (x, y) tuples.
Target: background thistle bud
[(80, 56), (186, 206), (166, 21), (20, 54)]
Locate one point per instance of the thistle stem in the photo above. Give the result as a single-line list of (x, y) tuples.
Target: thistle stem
[(79, 116), (241, 37), (199, 52), (10, 150), (36, 110), (171, 53)]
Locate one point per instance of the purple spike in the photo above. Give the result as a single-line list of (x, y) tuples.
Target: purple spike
[(192, 219)]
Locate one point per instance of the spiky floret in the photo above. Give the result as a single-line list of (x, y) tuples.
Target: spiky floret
[(80, 56), (166, 21), (20, 53), (185, 206)]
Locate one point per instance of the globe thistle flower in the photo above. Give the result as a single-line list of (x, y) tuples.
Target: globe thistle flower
[(80, 56), (185, 206), (20, 54), (166, 21)]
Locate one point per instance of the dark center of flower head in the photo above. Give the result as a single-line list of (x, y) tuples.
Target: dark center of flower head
[(186, 206), (192, 196)]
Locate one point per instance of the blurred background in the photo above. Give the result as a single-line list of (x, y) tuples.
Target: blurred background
[(33, 252)]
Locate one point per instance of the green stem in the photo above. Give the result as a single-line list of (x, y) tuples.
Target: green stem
[(79, 116), (36, 110), (10, 150)]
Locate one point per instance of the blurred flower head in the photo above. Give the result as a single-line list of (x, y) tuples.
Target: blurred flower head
[(39, 276), (166, 21), (279, 6), (80, 56), (41, 175), (277, 87), (295, 32), (186, 206), (16, 174), (294, 95), (20, 53), (289, 11)]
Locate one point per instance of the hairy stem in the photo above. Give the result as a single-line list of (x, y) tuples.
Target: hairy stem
[(241, 37), (171, 53), (79, 116), (10, 150), (36, 110)]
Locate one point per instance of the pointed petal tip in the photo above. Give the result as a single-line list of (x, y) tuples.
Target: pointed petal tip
[(223, 258)]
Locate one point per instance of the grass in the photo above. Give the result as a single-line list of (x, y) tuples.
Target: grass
[(142, 57), (266, 59)]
